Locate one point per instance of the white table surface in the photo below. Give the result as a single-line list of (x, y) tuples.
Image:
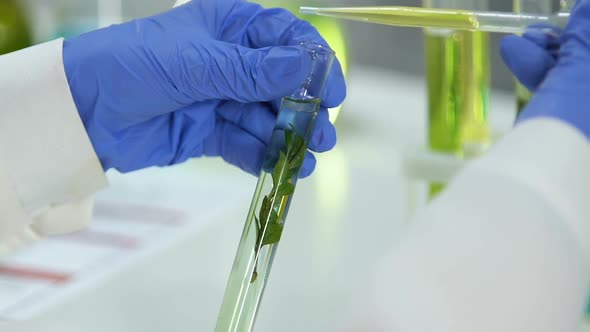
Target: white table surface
[(341, 220)]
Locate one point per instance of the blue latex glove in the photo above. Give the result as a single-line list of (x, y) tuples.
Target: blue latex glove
[(557, 70), (531, 56), (202, 79)]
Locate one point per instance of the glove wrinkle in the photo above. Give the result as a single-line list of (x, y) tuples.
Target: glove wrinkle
[(151, 92)]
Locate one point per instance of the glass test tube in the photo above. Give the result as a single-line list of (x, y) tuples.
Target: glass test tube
[(272, 198), (458, 75)]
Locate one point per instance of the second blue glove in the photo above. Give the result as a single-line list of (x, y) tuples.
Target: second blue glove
[(556, 68)]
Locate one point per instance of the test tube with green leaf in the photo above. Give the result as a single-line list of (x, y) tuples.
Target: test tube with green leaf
[(265, 222)]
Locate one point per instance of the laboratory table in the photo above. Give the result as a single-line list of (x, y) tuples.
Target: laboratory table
[(342, 220)]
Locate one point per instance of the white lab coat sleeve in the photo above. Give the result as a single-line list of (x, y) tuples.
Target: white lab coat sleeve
[(48, 168), (505, 248)]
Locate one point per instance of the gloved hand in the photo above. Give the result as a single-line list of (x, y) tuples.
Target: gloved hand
[(531, 56), (556, 69), (203, 79)]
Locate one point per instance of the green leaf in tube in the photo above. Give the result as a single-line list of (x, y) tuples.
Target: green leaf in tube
[(288, 137), (273, 234), (264, 210), (277, 174), (286, 189), (269, 226), (298, 156)]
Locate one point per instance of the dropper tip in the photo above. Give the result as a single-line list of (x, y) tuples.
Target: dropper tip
[(308, 10)]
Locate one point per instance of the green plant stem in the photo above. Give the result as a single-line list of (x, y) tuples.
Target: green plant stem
[(270, 219)]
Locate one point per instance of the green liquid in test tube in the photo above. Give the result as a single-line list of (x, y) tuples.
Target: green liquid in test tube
[(276, 185), (15, 33), (458, 75)]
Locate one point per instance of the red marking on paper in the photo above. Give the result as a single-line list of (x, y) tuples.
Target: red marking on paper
[(34, 274)]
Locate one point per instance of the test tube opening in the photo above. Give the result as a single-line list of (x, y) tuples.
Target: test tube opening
[(322, 58)]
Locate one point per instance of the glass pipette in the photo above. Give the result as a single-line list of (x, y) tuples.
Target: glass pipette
[(419, 17)]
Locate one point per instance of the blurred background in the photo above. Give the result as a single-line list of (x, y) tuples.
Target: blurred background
[(390, 48)]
